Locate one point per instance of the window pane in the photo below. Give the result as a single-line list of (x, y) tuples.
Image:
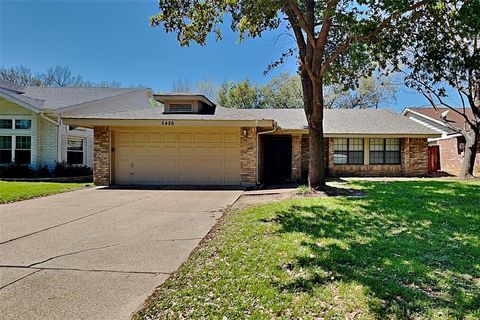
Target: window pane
[(23, 142), (355, 144), (392, 144), (5, 156), (23, 124), (74, 157), (6, 124), (5, 142), (340, 157), (376, 144), (392, 157), (75, 145), (355, 157), (340, 144), (22, 156), (376, 157)]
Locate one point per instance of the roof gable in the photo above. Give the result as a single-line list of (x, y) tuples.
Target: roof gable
[(451, 116)]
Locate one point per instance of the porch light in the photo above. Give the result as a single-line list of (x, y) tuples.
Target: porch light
[(245, 133)]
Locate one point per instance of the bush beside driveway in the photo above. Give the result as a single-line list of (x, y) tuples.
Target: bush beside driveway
[(407, 249)]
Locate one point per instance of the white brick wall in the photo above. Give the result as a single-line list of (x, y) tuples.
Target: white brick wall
[(47, 138)]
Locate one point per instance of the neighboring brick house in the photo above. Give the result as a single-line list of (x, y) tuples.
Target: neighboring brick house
[(451, 144), (31, 129), (190, 140)]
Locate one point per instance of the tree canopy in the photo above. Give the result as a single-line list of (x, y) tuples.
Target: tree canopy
[(59, 76), (334, 40)]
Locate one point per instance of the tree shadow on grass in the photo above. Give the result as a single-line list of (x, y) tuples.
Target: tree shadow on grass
[(414, 245)]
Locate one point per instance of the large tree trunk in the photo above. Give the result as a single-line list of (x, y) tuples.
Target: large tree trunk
[(472, 140), (313, 100)]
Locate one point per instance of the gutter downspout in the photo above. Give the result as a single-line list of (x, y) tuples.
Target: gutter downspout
[(275, 127)]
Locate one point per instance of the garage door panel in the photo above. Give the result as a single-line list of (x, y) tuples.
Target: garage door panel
[(201, 138), (185, 137), (154, 151), (200, 165), (170, 137), (232, 178), (172, 156), (216, 151), (231, 165), (231, 151), (200, 151), (231, 138), (215, 165), (139, 150), (123, 151), (124, 137), (185, 152), (216, 137), (216, 178), (154, 137), (139, 136)]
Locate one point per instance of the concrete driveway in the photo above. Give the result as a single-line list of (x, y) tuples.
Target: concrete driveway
[(98, 253)]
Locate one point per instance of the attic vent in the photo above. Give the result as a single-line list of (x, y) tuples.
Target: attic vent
[(181, 108)]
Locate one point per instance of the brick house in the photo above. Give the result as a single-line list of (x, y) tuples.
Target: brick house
[(31, 128), (450, 145), (190, 140)]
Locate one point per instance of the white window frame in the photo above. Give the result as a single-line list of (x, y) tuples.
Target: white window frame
[(14, 119), (14, 147), (83, 150)]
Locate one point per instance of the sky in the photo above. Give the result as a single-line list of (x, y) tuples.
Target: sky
[(112, 41)]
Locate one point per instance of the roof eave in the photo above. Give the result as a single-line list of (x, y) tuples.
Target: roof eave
[(20, 102), (90, 122)]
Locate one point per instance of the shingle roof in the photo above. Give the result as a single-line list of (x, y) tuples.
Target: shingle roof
[(337, 121), (347, 121), (35, 103), (158, 114), (4, 84), (56, 98)]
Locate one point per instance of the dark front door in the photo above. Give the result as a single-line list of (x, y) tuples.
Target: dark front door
[(277, 158)]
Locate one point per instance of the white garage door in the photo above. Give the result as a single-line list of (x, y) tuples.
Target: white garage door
[(174, 156)]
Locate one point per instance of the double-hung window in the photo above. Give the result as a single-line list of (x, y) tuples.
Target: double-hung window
[(15, 149), (385, 151), (5, 149), (23, 149), (75, 151), (348, 151)]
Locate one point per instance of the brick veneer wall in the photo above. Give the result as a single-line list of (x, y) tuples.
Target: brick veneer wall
[(101, 159), (248, 156), (414, 156), (414, 161), (296, 156), (450, 160)]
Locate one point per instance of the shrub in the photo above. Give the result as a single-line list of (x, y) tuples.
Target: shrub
[(63, 169), (44, 172), (303, 190), (16, 170)]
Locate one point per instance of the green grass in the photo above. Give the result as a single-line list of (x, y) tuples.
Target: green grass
[(15, 191), (407, 250)]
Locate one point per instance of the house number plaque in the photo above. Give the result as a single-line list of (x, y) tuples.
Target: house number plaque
[(168, 123)]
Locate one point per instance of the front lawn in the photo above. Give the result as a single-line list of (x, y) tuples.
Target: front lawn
[(407, 250), (15, 191)]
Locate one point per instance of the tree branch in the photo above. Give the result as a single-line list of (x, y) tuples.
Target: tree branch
[(303, 22), (385, 24)]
